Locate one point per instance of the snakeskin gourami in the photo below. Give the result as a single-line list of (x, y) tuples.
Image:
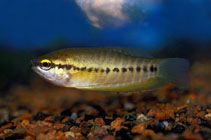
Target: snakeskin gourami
[(110, 69)]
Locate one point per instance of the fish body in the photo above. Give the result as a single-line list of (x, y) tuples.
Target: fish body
[(110, 69)]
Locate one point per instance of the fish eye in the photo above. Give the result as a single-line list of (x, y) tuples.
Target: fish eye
[(45, 64)]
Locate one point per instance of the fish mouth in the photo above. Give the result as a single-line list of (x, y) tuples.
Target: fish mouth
[(34, 65)]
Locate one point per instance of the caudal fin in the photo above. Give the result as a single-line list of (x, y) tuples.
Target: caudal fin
[(175, 71)]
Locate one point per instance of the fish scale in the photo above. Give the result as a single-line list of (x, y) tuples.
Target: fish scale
[(110, 79), (110, 69)]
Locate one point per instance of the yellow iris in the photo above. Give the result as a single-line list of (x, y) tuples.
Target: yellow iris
[(45, 64), (45, 61)]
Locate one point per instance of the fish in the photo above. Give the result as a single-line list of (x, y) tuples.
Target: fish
[(111, 69)]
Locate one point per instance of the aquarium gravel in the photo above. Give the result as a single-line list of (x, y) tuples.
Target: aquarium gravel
[(43, 111)]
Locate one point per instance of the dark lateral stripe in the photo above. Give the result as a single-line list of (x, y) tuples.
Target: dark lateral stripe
[(115, 70), (152, 68), (83, 68), (138, 69), (107, 70), (96, 69), (155, 69), (60, 66), (53, 65), (124, 70), (102, 70), (89, 69), (76, 68), (130, 69), (68, 67)]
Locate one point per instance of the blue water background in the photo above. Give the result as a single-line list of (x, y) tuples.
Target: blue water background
[(32, 24)]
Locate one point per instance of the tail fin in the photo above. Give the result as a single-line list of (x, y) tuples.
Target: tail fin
[(175, 71)]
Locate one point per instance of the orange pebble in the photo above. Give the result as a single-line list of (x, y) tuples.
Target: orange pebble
[(59, 126), (49, 119), (60, 134), (30, 133), (25, 122), (65, 119), (6, 126)]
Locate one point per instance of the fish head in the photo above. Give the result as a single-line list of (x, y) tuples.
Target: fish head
[(49, 69)]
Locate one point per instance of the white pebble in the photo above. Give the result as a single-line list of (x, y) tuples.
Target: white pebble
[(166, 123)]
